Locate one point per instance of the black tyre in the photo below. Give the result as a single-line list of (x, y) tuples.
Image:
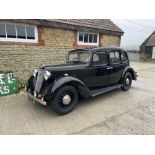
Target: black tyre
[(127, 81), (65, 100)]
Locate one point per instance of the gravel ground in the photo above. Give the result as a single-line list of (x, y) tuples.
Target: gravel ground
[(115, 112)]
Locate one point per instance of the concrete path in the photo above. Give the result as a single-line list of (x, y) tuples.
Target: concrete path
[(115, 112)]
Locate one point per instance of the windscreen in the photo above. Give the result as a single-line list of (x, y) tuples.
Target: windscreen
[(79, 56)]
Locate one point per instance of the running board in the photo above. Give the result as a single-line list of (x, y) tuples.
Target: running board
[(104, 90)]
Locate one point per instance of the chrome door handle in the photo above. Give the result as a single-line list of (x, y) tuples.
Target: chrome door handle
[(110, 68)]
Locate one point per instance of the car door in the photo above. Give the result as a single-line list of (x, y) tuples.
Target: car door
[(124, 59), (98, 72), (115, 67)]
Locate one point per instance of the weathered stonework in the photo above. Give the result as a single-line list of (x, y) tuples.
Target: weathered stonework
[(22, 58), (109, 40)]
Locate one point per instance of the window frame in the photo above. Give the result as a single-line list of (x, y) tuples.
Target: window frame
[(83, 43), (19, 39)]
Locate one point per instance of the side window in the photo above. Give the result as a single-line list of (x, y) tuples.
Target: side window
[(95, 58), (124, 57), (115, 57), (100, 58)]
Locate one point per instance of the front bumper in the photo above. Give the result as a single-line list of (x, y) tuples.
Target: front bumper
[(36, 100)]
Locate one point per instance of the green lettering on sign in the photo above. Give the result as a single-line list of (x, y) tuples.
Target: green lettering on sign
[(8, 84)]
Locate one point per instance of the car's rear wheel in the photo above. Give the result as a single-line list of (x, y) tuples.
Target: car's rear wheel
[(65, 100), (127, 81)]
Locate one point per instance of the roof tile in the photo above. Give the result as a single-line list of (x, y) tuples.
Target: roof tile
[(103, 24)]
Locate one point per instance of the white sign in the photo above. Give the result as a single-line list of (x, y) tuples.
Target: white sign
[(153, 53)]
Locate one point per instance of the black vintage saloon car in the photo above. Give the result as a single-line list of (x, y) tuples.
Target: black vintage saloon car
[(86, 73)]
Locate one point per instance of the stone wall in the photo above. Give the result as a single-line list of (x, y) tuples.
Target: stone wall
[(22, 58), (109, 40)]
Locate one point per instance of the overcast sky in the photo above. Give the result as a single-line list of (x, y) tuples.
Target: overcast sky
[(135, 31)]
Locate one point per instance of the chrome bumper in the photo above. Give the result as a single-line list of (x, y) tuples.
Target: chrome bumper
[(34, 99)]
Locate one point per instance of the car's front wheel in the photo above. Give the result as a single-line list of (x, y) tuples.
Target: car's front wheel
[(65, 100), (127, 81)]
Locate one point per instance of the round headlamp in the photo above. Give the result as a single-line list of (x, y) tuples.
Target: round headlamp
[(35, 71), (47, 75)]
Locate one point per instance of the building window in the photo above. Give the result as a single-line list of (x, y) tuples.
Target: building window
[(18, 33), (85, 38)]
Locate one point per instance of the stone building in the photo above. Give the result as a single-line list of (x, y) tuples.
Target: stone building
[(147, 48), (28, 44)]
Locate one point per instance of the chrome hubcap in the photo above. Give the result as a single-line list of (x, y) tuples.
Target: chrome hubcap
[(66, 100), (127, 81)]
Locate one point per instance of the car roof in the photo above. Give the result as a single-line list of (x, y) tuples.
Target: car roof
[(97, 49)]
